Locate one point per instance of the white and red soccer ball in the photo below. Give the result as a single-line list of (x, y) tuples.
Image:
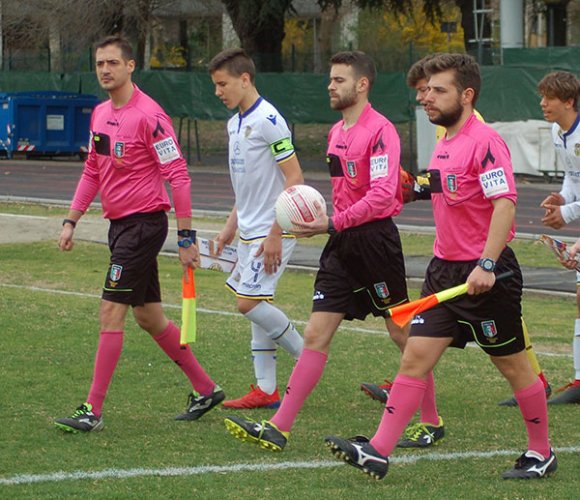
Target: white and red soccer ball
[(298, 203)]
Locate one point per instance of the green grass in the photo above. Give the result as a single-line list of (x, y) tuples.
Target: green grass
[(48, 345)]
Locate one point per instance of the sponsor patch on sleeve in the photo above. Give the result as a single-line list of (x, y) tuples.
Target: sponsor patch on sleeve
[(166, 150), (282, 146), (379, 166), (494, 182)]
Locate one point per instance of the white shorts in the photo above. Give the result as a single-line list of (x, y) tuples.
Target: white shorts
[(249, 279)]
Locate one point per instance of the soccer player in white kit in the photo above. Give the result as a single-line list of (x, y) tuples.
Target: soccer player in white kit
[(560, 91), (262, 164)]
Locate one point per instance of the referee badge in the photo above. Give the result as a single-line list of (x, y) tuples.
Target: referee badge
[(382, 290), (489, 330), (452, 183), (115, 273), (351, 168), (119, 149)]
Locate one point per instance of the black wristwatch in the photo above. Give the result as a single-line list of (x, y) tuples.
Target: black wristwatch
[(185, 243), (73, 223), (187, 233), (487, 264), (331, 229)]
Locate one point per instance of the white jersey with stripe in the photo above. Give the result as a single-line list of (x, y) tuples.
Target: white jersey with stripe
[(259, 139), (567, 145)]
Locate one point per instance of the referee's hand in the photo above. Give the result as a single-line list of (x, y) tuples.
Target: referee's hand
[(189, 257), (479, 281)]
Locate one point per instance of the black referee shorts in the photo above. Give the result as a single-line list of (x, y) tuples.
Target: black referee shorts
[(135, 242), (493, 319), (361, 271)]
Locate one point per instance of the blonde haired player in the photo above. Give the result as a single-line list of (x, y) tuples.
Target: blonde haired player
[(262, 164), (560, 91)]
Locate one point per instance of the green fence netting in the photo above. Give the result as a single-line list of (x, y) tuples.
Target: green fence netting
[(509, 93)]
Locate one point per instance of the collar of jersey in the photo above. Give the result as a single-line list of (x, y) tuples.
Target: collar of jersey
[(248, 111), (572, 129), (251, 108)]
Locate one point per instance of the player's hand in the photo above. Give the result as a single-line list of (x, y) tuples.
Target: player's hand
[(65, 242), (225, 237), (189, 257), (553, 217), (572, 263), (553, 199), (479, 281), (317, 226), (271, 248)]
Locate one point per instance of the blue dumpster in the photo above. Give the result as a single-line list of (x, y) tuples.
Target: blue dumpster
[(46, 123)]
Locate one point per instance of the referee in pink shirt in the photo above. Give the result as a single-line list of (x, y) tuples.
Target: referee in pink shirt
[(474, 200), (132, 152)]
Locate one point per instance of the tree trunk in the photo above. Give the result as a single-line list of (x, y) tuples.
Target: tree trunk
[(260, 27), (55, 49)]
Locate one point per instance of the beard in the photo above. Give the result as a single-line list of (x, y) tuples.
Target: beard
[(448, 118), (346, 101)]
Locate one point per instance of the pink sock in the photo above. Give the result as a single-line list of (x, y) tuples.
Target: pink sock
[(404, 400), (168, 340), (304, 378), (429, 413), (534, 408), (108, 354)]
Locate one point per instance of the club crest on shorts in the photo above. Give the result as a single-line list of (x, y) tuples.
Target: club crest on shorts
[(115, 273), (119, 149), (489, 330), (382, 290), (452, 183), (351, 168)]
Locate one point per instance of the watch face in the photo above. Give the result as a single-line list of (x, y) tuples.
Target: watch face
[(184, 243), (487, 264)]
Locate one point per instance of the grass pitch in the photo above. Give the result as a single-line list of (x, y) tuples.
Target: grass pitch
[(49, 325)]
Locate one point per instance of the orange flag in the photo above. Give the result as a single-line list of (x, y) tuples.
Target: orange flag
[(404, 313)]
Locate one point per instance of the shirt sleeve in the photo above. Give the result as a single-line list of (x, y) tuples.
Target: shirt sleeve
[(496, 175), (383, 199), (88, 185), (278, 137), (571, 209), (173, 167)]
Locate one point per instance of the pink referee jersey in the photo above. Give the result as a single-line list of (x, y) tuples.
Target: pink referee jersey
[(132, 151), (364, 170), (466, 173)]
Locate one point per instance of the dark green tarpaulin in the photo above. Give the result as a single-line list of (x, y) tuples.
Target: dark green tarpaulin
[(509, 93), (544, 58)]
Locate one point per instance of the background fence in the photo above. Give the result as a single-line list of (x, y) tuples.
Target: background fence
[(508, 94)]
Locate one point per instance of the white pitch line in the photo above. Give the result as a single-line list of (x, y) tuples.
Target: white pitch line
[(261, 467), (21, 216), (344, 327)]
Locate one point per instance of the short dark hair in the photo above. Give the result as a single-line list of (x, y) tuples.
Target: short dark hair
[(234, 61), (417, 71), (465, 68), (119, 41), (562, 85), (362, 64)]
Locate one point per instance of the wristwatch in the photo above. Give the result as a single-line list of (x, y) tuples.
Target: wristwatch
[(185, 243), (331, 229), (487, 264), (187, 233)]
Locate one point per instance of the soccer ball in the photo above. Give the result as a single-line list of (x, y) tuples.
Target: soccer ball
[(297, 204)]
